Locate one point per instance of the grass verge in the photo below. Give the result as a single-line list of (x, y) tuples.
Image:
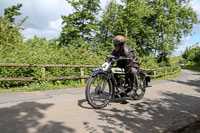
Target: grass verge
[(168, 76), (41, 87), (195, 67)]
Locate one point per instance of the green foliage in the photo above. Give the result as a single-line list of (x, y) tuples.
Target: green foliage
[(174, 61), (192, 66), (192, 54), (148, 62), (80, 26), (34, 87), (11, 12), (150, 26), (170, 75), (110, 25), (40, 51), (9, 35)]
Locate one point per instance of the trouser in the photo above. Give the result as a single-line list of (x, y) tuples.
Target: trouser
[(133, 75)]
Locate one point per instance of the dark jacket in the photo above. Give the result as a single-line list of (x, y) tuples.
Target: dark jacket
[(127, 52)]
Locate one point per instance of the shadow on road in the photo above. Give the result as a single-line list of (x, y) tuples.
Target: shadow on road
[(195, 83), (82, 102), (166, 114), (151, 116), (23, 117)]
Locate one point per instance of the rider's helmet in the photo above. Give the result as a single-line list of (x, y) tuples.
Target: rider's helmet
[(119, 39)]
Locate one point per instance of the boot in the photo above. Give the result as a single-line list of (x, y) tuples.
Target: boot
[(130, 93)]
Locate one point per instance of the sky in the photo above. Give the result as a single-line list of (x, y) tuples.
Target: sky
[(195, 38), (44, 19)]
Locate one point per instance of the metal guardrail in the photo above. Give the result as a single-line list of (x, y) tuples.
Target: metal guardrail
[(167, 70)]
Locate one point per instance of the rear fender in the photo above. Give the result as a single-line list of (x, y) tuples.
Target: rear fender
[(147, 78)]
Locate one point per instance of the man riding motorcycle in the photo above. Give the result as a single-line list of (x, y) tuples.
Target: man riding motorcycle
[(130, 65)]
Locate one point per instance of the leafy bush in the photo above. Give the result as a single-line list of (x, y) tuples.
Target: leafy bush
[(39, 51), (192, 54), (148, 62)]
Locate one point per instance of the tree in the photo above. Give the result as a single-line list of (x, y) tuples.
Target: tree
[(171, 20), (128, 19), (11, 12), (150, 26), (110, 25), (80, 27), (192, 53), (9, 30)]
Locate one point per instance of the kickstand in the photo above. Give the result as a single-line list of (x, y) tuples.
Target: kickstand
[(124, 101)]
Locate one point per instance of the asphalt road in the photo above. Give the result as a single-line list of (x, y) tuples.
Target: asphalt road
[(167, 106)]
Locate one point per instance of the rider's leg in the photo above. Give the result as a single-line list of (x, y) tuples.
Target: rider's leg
[(134, 78), (134, 81)]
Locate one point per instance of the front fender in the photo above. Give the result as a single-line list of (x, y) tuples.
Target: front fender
[(111, 80), (98, 72)]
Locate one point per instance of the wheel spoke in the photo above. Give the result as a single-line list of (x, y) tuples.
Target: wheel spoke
[(105, 93), (141, 88)]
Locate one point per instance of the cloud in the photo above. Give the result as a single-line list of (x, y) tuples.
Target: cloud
[(187, 38), (47, 33), (44, 16), (195, 5), (55, 25), (51, 31)]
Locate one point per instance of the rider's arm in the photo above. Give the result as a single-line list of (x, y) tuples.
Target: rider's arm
[(129, 53)]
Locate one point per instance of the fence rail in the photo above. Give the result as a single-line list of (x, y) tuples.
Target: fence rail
[(155, 72)]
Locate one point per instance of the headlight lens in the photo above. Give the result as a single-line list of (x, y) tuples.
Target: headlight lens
[(96, 69)]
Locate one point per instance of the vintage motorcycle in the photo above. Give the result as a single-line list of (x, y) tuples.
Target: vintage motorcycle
[(108, 82)]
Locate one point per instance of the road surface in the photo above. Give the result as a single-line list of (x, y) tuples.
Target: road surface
[(167, 106)]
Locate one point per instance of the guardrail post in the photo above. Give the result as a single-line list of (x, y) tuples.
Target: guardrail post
[(82, 74), (176, 69), (165, 71), (43, 70), (154, 73)]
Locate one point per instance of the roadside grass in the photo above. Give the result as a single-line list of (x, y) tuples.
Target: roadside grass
[(41, 87), (168, 76), (195, 67), (191, 128)]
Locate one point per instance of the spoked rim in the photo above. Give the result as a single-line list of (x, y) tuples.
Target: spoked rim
[(141, 88), (99, 91)]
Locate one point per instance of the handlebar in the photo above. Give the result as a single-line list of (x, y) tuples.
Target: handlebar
[(111, 57), (115, 58), (123, 58)]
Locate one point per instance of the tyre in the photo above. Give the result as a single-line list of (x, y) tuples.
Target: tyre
[(141, 87), (99, 91)]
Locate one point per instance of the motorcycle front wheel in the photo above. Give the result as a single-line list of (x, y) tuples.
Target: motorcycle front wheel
[(99, 91)]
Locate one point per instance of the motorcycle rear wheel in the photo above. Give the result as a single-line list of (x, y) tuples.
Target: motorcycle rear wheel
[(141, 87), (99, 91)]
